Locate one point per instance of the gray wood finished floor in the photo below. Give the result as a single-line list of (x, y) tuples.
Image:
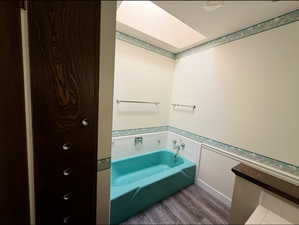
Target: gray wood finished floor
[(192, 205)]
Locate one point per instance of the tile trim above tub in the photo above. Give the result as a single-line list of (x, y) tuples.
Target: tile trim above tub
[(104, 164), (243, 153), (279, 165), (119, 133)]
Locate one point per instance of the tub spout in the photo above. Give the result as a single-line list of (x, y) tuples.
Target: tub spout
[(178, 148)]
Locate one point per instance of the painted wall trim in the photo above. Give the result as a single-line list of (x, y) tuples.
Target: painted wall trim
[(128, 132), (275, 22), (139, 43), (285, 169), (208, 188), (278, 172)]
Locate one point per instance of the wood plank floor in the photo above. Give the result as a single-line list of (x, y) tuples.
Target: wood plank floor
[(192, 205)]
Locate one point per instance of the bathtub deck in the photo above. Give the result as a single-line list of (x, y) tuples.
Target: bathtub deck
[(192, 205)]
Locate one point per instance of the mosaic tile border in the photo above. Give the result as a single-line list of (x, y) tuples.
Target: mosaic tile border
[(284, 19), (104, 164), (132, 40), (119, 133), (275, 22), (283, 166), (279, 165)]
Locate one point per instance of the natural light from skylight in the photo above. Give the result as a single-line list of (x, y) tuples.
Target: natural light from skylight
[(150, 19)]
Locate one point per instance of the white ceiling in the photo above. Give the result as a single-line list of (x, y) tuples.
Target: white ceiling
[(146, 17), (231, 17)]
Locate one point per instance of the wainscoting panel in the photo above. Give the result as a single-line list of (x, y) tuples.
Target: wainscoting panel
[(215, 171)]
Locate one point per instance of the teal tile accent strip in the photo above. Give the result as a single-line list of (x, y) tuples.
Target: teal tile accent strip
[(286, 167), (282, 166), (134, 41), (104, 164), (119, 133), (255, 29)]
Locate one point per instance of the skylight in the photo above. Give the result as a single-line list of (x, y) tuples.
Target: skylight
[(150, 19)]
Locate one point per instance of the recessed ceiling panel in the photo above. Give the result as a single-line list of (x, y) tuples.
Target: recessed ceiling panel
[(217, 18), (150, 19)]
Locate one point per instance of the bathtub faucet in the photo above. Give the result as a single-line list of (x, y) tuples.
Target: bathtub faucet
[(178, 148), (138, 141)]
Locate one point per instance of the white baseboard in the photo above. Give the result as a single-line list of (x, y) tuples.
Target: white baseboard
[(220, 196)]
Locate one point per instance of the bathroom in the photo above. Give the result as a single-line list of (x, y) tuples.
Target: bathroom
[(149, 112), (216, 103)]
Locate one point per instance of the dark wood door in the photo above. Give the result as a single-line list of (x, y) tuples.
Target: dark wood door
[(14, 203), (64, 63)]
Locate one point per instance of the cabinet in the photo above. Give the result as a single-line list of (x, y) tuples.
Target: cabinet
[(64, 63)]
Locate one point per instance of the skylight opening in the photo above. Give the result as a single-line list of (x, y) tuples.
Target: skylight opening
[(150, 19)]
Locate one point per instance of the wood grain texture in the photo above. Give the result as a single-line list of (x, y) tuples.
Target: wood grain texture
[(192, 205), (64, 57), (14, 195)]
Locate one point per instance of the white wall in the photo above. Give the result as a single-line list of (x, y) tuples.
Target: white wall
[(247, 92), (191, 151), (125, 146), (144, 76), (280, 206)]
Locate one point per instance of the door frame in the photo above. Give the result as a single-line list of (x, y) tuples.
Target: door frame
[(107, 55), (14, 193)]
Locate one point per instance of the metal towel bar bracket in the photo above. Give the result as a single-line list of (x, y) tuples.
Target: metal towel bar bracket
[(143, 102), (188, 106)]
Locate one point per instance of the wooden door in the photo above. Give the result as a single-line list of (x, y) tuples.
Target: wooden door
[(14, 200), (64, 63)]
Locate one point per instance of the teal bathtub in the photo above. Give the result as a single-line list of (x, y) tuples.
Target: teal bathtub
[(138, 182)]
